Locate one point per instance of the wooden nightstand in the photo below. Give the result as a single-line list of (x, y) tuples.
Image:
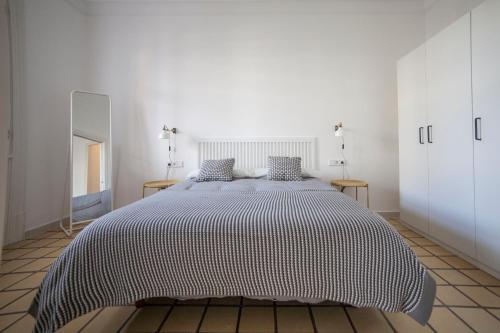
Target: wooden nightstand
[(158, 184), (343, 183)]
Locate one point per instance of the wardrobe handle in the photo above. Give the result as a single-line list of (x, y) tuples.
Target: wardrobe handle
[(429, 133), (477, 129), (421, 135)]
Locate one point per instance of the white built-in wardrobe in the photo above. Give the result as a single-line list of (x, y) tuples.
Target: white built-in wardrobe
[(449, 136)]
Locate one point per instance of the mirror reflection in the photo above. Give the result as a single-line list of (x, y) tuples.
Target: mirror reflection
[(91, 157)]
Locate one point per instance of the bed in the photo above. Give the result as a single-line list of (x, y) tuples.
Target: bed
[(256, 238)]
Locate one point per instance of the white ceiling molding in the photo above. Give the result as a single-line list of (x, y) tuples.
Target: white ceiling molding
[(220, 7)]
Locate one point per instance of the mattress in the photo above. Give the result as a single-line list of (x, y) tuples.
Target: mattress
[(250, 237)]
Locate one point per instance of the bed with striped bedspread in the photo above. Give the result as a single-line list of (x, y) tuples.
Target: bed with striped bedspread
[(250, 237)]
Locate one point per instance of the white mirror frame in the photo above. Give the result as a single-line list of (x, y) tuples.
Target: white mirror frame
[(72, 226)]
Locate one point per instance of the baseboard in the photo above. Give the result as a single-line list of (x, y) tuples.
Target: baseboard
[(465, 257), (43, 228), (389, 215)]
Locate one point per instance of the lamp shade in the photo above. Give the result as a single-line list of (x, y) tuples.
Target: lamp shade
[(164, 134)]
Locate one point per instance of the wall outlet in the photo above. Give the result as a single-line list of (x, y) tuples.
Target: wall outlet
[(176, 164), (336, 162)]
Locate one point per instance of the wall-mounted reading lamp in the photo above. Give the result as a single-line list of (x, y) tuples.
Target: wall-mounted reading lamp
[(339, 132), (165, 134)]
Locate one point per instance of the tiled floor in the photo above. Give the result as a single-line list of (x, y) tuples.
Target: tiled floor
[(468, 300)]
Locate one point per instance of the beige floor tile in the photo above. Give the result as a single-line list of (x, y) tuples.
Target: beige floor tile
[(437, 302), (31, 282), (437, 278), (20, 305), (450, 296), (7, 297), (36, 265), (183, 319), (25, 324), (421, 252), (38, 253), (225, 301), (56, 253), (481, 277), (9, 266), (433, 262), (444, 321), (7, 320), (146, 319), (482, 296), (78, 323), (16, 254), (409, 233), (294, 320), (61, 242), (438, 250), (409, 242), (251, 301), (455, 277), (220, 319), (329, 319), (480, 320), (495, 312), (19, 244), (51, 234), (423, 241), (47, 242), (458, 262), (400, 227), (109, 319), (368, 320), (9, 279), (257, 319), (496, 290), (404, 323)]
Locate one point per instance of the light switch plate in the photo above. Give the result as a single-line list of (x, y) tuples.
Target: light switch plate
[(336, 162)]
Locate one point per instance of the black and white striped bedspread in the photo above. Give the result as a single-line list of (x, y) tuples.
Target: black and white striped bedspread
[(256, 238)]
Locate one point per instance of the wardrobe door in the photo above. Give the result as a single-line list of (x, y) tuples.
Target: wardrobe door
[(486, 93), (451, 186), (412, 147)]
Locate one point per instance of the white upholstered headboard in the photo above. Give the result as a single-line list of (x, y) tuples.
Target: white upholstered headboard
[(253, 152)]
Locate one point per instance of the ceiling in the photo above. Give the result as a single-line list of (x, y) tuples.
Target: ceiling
[(133, 7)]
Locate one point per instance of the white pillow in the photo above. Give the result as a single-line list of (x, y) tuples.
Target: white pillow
[(237, 173), (193, 174), (245, 173)]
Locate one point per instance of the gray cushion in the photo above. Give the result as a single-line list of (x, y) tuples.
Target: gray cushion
[(284, 168), (216, 170)]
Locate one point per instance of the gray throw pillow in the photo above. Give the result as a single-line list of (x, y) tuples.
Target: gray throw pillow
[(216, 170), (284, 168)]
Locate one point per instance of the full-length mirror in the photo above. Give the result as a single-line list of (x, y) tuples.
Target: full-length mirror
[(91, 193)]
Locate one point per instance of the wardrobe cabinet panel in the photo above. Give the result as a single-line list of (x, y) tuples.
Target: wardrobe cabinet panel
[(413, 188), (486, 97), (451, 185)]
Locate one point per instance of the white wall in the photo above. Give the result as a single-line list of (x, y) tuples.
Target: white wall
[(230, 69), (254, 74), (4, 112), (441, 13), (53, 46)]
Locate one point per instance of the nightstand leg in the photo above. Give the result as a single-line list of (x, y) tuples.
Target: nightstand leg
[(367, 197), (143, 189)]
